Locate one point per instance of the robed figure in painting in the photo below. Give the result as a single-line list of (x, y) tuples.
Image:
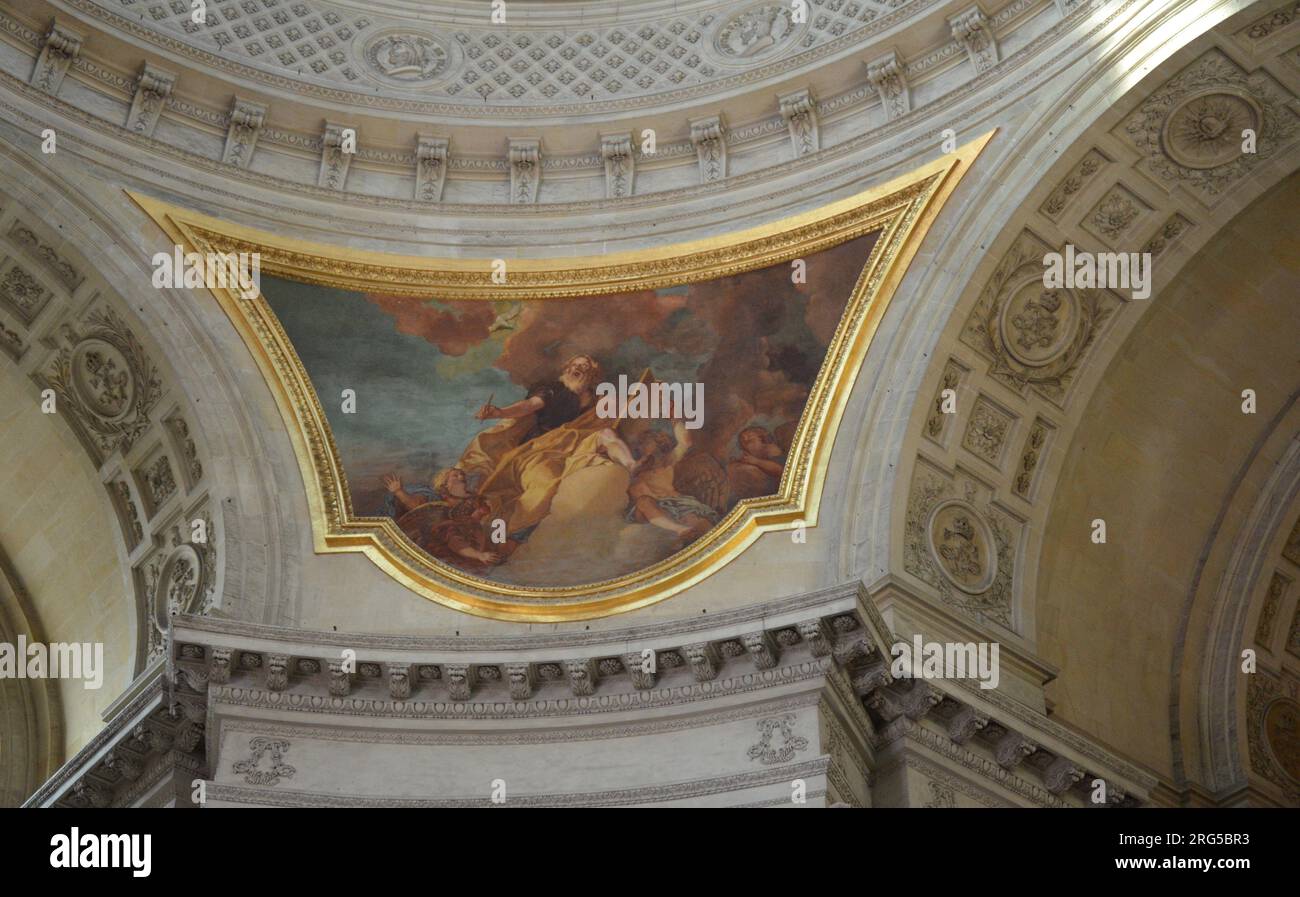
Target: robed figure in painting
[(543, 439), (505, 485)]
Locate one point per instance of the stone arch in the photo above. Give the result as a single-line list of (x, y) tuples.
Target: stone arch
[(1117, 187), (183, 446), (31, 714)]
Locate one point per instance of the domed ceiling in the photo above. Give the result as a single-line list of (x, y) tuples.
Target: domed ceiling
[(518, 59)]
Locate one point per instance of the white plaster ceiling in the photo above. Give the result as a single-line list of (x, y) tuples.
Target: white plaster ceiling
[(547, 62)]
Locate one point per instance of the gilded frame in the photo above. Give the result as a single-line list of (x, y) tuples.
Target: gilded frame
[(902, 209)]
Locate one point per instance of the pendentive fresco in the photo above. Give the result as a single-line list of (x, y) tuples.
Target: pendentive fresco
[(855, 404)]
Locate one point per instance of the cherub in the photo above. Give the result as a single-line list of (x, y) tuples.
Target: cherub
[(459, 530), (654, 495), (758, 469)]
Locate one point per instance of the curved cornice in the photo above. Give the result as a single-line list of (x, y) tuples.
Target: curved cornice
[(533, 66), (941, 82)]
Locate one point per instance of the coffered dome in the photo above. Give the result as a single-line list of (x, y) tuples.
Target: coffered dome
[(537, 62)]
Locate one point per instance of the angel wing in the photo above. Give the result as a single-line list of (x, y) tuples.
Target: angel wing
[(701, 476)]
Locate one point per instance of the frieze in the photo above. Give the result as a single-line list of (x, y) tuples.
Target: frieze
[(506, 708), (550, 735), (674, 791)]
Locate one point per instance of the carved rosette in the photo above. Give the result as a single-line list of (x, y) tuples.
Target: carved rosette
[(103, 377), (1035, 337), (1273, 732), (1191, 128), (1115, 214), (22, 294), (987, 431), (962, 546), (178, 580)]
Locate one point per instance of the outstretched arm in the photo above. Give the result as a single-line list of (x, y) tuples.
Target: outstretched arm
[(617, 449), (405, 500), (767, 465)]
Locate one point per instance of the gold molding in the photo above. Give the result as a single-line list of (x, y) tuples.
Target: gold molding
[(901, 210)]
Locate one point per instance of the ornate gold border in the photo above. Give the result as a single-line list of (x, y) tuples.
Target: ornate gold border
[(902, 210)]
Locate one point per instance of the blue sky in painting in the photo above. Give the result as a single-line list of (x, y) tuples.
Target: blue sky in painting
[(408, 410)]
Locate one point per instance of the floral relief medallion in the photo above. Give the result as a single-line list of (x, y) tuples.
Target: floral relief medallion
[(962, 546), (1038, 324), (102, 379), (1282, 734), (179, 584), (1205, 130)]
